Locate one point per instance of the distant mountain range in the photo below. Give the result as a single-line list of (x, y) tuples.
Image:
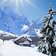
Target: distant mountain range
[(16, 24)]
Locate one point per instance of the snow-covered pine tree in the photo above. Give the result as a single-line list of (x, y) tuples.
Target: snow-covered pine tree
[(47, 44)]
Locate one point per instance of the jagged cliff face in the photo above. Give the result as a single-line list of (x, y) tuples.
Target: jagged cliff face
[(11, 21), (14, 23)]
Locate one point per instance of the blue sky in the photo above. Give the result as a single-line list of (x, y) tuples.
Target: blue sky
[(35, 11)]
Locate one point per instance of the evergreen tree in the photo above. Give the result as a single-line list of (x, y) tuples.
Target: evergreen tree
[(47, 44)]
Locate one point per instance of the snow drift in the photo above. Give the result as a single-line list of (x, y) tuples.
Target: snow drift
[(11, 49)]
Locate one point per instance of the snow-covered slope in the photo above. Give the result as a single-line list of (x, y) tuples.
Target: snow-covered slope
[(6, 35), (25, 28), (29, 29), (11, 49)]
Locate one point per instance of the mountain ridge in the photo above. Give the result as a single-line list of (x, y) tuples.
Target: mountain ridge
[(12, 22)]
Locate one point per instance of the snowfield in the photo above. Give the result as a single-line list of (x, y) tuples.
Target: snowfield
[(8, 48)]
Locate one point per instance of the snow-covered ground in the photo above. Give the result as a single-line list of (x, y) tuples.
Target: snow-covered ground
[(8, 48)]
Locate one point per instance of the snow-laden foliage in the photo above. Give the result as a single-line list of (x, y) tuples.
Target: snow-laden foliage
[(47, 45), (38, 32)]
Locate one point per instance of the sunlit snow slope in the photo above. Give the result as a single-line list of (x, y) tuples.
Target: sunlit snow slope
[(8, 48)]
